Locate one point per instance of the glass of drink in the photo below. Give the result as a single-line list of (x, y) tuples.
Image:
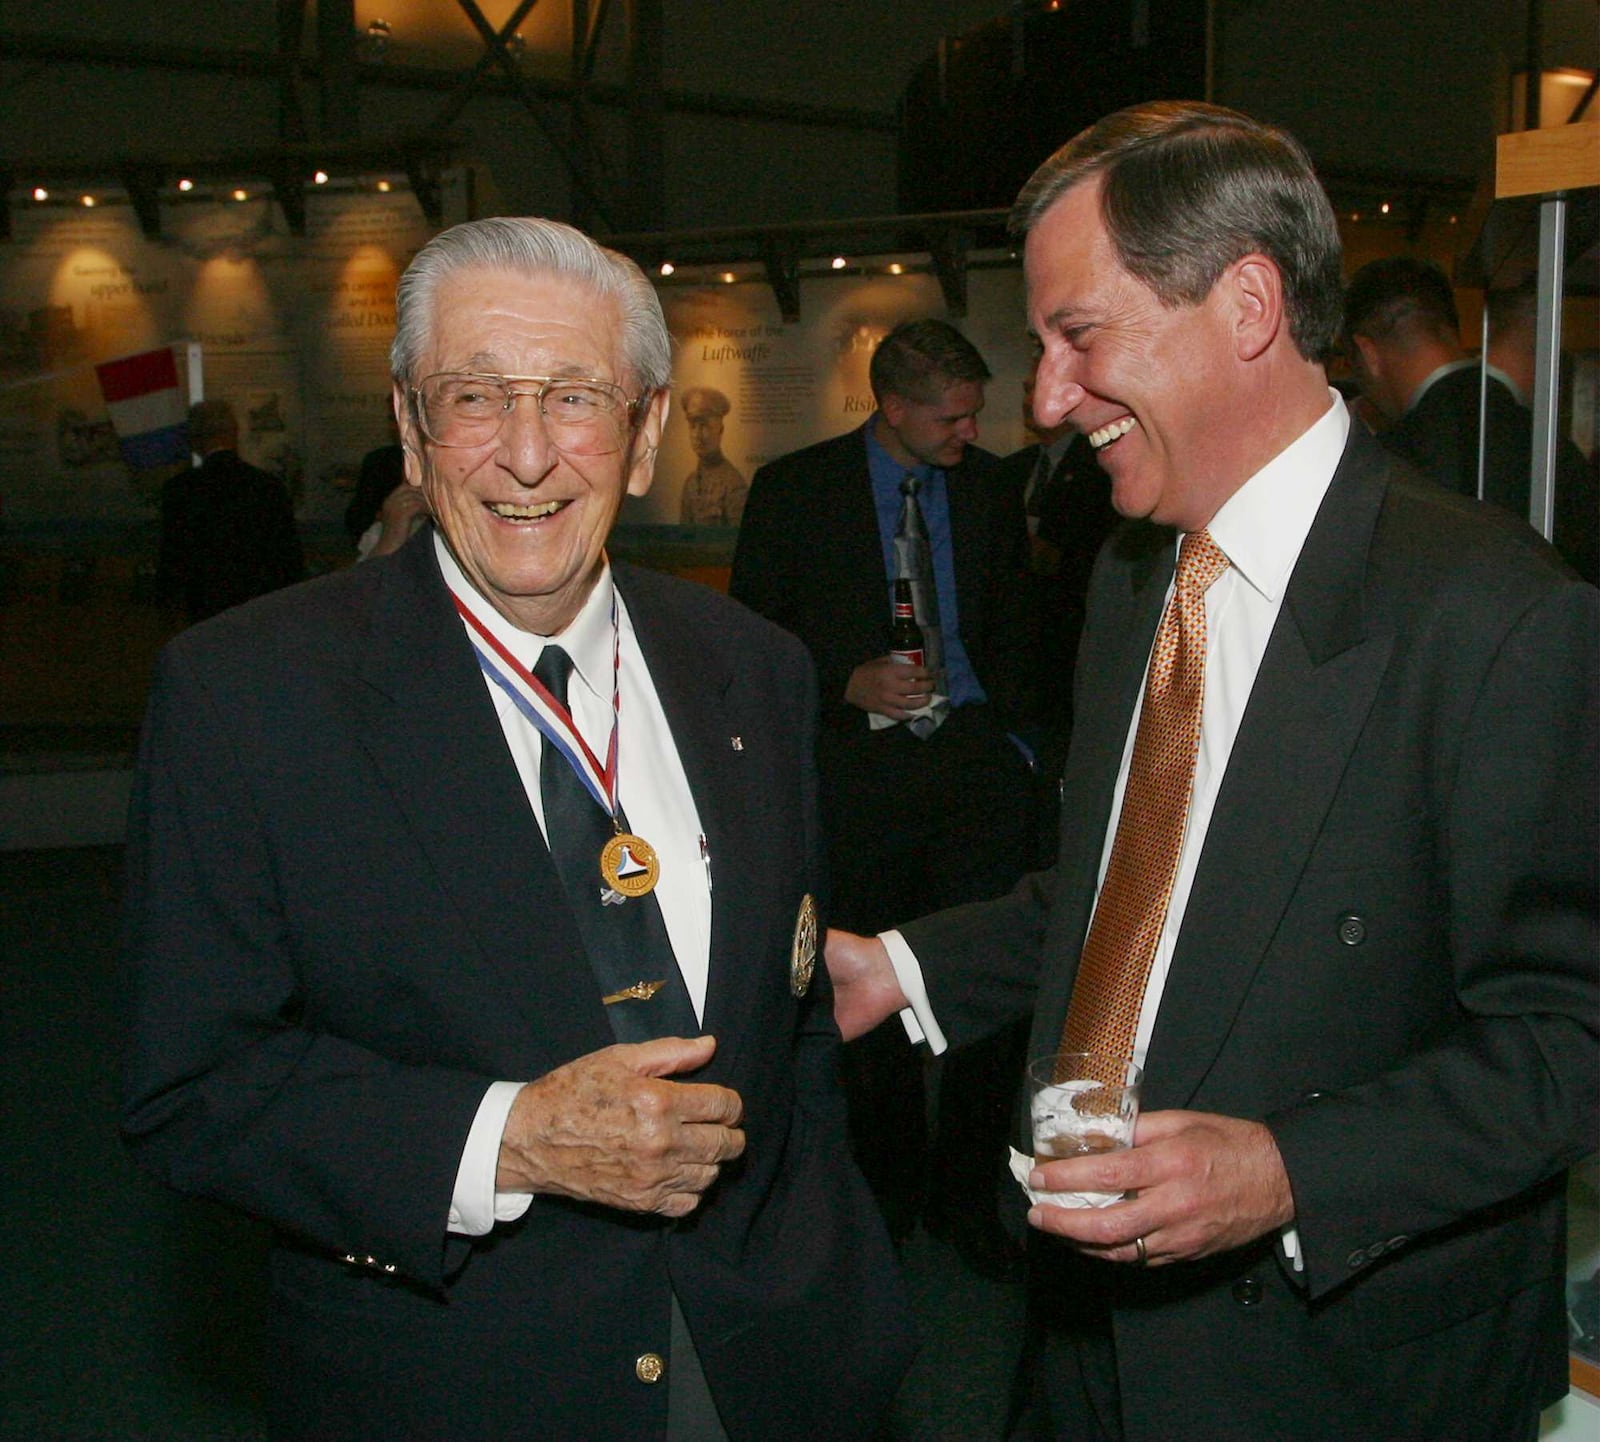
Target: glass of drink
[(1081, 1104)]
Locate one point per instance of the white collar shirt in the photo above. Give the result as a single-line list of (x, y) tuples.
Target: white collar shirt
[(655, 796)]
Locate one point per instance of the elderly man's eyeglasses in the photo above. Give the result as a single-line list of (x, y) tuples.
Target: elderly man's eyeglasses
[(456, 408)]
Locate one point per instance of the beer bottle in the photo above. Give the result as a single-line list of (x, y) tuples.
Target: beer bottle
[(905, 636)]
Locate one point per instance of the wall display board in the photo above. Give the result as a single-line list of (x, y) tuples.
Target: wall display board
[(294, 331), (785, 386)]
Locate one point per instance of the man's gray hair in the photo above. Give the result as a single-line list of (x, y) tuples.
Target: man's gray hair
[(1189, 188), (532, 246)]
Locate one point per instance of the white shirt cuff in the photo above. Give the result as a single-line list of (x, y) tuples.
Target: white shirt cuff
[(476, 1206), (917, 1015), (1289, 1240)]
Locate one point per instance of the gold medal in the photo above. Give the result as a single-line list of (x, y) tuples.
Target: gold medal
[(803, 950), (630, 865)]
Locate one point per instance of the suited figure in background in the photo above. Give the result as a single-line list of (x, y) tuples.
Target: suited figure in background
[(1328, 864), (227, 527), (1067, 500), (922, 817), (470, 932), (1513, 314)]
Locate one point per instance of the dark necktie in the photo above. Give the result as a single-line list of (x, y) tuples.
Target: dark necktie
[(913, 561), (626, 940), (1103, 1016)]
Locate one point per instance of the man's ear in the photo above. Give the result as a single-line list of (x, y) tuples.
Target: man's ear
[(410, 437), (893, 408), (1256, 291), (1369, 355), (647, 442)]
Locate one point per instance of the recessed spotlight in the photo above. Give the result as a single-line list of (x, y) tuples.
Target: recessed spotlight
[(838, 262), (897, 269), (320, 178), (186, 185), (241, 194), (667, 267), (40, 193), (87, 200), (728, 277), (383, 187), (1384, 208)]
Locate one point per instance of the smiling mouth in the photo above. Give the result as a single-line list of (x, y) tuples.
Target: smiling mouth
[(508, 512), (1103, 437)]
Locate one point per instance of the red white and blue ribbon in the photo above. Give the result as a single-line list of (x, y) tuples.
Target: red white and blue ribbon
[(533, 699)]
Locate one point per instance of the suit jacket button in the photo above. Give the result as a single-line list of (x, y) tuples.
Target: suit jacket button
[(1247, 1291), (649, 1368), (1352, 929)]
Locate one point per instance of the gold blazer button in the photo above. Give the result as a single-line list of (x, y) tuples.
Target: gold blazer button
[(649, 1368)]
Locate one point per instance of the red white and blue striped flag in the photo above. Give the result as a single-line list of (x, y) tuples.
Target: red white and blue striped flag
[(147, 408)]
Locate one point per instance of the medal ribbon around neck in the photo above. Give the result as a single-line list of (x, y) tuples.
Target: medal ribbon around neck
[(628, 863)]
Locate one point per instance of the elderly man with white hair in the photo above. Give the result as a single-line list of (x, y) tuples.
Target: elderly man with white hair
[(472, 931)]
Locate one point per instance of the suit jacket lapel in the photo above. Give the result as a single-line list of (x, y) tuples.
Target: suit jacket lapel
[(425, 700), (1311, 697)]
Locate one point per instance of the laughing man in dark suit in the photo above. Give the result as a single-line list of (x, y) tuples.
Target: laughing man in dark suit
[(1368, 1022), (546, 1152)]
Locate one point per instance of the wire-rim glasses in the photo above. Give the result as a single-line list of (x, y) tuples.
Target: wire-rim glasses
[(468, 408)]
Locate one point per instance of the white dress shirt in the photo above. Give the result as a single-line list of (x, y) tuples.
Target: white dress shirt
[(654, 792), (1260, 528)]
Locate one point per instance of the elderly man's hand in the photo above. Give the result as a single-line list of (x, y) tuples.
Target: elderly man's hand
[(1202, 1183), (865, 989), (610, 1128), (889, 687)]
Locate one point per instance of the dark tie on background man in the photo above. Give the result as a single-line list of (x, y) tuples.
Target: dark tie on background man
[(913, 561), (1103, 1015), (627, 942)]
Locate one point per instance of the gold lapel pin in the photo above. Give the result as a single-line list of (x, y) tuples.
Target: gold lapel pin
[(639, 991)]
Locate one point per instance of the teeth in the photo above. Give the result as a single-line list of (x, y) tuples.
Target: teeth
[(525, 513), (1106, 434)]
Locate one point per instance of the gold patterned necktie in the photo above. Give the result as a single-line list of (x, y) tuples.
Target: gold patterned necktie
[(1115, 966)]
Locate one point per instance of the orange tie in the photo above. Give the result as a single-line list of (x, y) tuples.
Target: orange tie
[(1115, 966)]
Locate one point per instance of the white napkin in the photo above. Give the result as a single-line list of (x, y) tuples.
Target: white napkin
[(1022, 1165), (938, 705)]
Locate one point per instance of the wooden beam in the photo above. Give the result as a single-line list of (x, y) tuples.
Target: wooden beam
[(1540, 162)]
